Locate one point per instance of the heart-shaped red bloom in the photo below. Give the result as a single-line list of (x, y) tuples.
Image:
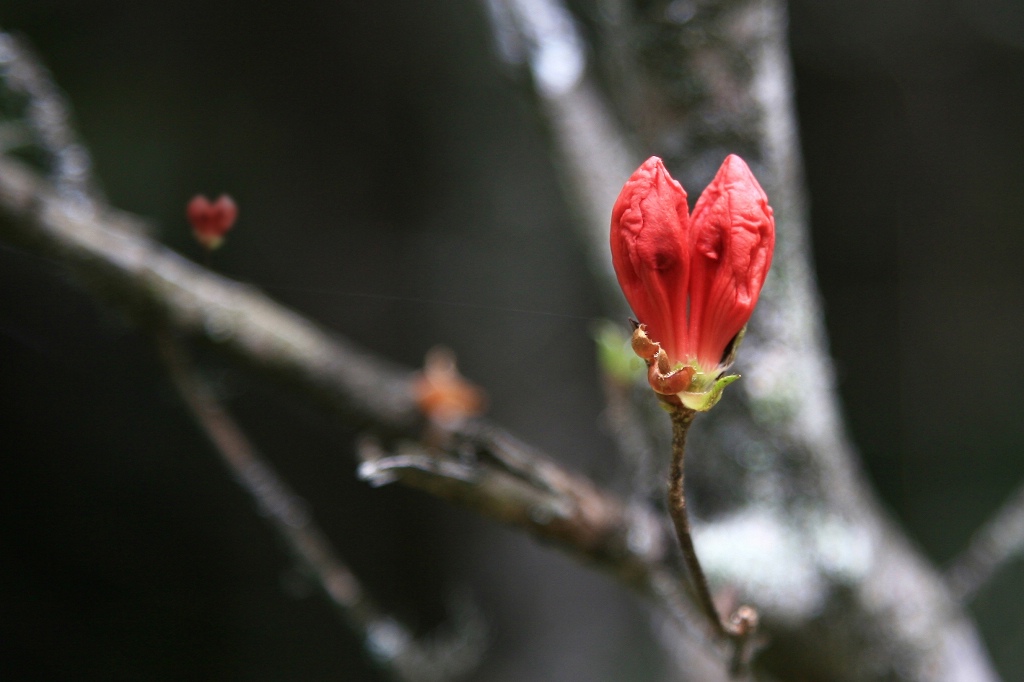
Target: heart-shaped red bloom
[(693, 279), (210, 220)]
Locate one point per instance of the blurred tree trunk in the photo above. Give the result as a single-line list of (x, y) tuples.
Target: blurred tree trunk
[(787, 518)]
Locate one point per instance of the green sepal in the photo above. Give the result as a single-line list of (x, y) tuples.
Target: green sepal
[(704, 401), (732, 349)]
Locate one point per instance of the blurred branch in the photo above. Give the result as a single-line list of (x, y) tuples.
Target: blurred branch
[(592, 155), (158, 288), (481, 467), (48, 121), (489, 472), (508, 481), (996, 543), (786, 518), (389, 643)]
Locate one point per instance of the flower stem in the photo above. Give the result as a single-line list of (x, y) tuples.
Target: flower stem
[(681, 420), (741, 625)]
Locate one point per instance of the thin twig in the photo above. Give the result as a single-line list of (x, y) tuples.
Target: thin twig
[(742, 623), (495, 475), (992, 546), (681, 420), (390, 644), (521, 489)]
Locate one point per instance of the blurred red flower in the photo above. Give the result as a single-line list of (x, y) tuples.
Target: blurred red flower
[(211, 220)]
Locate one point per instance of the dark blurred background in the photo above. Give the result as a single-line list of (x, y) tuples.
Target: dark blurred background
[(394, 185)]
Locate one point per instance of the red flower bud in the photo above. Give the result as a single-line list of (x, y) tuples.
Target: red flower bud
[(210, 221), (693, 280)]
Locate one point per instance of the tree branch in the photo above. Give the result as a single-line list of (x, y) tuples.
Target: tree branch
[(389, 643), (993, 545), (47, 121)]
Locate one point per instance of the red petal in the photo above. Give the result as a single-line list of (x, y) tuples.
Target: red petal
[(649, 240), (225, 212), (733, 237), (198, 214)]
